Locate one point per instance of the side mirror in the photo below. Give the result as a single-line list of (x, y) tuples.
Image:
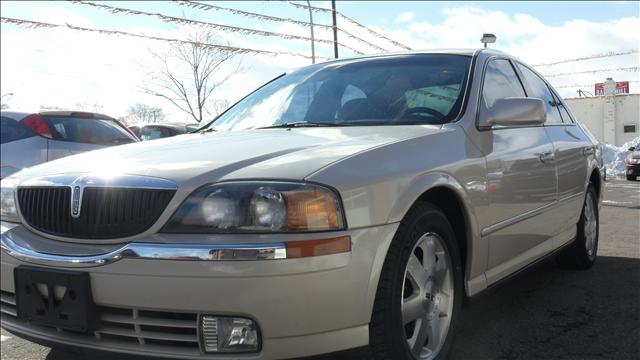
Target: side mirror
[(633, 148), (514, 111)]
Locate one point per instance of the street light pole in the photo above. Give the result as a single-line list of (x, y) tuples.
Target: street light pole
[(313, 47), (335, 29)]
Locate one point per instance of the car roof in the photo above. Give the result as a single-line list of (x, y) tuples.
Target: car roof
[(19, 115)]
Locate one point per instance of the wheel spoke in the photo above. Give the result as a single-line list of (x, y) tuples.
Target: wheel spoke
[(434, 333), (428, 251), (413, 309), (420, 337), (417, 272), (440, 271)]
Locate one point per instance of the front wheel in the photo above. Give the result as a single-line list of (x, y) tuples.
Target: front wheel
[(582, 253), (420, 290)]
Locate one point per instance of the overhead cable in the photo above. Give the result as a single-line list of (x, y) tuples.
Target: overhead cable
[(235, 49), (229, 28), (210, 7)]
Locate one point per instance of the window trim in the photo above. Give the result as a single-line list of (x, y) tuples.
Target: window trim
[(481, 88), (554, 95)]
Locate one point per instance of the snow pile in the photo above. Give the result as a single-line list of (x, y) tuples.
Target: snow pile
[(615, 157)]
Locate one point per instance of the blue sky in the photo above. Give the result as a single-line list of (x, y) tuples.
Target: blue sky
[(108, 70)]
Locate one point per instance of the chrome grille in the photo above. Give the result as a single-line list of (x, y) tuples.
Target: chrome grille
[(106, 212), (167, 332)]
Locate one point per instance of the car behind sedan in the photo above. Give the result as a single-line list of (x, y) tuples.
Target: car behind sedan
[(161, 131), (347, 204), (32, 138)]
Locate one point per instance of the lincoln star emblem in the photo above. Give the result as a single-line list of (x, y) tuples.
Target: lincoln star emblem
[(77, 190)]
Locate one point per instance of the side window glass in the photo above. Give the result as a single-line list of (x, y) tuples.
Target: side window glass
[(562, 107), (500, 81), (12, 130), (537, 88)]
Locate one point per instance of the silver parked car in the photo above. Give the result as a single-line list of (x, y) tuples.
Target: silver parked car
[(350, 203), (33, 138)]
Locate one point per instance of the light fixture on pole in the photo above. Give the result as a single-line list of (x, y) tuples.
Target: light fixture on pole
[(488, 39)]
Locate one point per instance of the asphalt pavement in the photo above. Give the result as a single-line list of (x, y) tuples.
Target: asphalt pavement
[(543, 313)]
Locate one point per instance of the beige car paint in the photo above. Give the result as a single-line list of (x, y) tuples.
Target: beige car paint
[(517, 208)]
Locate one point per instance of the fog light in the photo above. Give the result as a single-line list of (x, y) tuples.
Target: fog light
[(222, 334)]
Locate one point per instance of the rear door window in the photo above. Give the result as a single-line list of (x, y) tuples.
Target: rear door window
[(537, 88), (88, 130), (11, 130)]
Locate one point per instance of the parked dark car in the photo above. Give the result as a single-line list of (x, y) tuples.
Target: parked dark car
[(633, 164), (159, 131)]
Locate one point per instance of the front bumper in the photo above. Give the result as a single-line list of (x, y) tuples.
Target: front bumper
[(302, 306)]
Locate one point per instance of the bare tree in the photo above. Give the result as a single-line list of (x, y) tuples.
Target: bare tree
[(189, 73), (92, 107), (144, 114)]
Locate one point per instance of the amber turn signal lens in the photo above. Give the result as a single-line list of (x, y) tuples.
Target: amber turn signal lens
[(312, 210), (308, 248)]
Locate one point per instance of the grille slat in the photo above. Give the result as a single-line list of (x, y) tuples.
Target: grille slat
[(105, 212), (165, 322), (111, 330)]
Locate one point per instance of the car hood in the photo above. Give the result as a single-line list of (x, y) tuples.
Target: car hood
[(200, 158)]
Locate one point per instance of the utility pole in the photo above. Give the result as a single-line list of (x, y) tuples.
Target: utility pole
[(313, 47), (335, 29)]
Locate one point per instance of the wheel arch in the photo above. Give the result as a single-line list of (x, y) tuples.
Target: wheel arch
[(445, 192)]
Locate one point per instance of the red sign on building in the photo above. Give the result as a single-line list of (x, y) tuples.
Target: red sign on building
[(622, 87)]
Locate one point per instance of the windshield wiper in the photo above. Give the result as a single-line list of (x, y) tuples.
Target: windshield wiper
[(300, 124), (207, 130)]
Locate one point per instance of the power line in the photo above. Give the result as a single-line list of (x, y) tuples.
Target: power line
[(585, 85), (350, 20), (627, 69), (594, 56), (209, 7), (234, 49), (233, 29)]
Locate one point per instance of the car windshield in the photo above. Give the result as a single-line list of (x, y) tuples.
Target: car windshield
[(393, 90), (88, 131)]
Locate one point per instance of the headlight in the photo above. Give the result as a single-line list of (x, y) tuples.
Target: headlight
[(8, 209), (258, 207)]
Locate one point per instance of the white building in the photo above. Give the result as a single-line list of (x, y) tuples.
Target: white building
[(613, 119)]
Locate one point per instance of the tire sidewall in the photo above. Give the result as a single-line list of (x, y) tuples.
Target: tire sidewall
[(429, 219), (581, 234)]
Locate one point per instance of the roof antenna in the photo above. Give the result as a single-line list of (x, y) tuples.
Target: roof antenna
[(488, 39)]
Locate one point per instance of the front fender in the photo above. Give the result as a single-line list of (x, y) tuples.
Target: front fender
[(477, 247)]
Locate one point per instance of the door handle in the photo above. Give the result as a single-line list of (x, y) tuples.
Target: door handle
[(588, 150), (547, 156)]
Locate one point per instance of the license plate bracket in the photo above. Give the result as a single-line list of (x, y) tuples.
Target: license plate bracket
[(56, 298)]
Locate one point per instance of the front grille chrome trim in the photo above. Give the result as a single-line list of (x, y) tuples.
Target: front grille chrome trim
[(150, 251), (101, 180)]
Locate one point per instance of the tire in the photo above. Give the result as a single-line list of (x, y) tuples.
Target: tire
[(631, 177), (425, 230), (582, 253)]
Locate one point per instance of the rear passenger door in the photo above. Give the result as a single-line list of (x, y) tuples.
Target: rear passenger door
[(20, 147), (521, 182), (571, 150)]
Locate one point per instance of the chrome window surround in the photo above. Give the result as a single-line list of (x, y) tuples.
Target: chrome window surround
[(149, 251)]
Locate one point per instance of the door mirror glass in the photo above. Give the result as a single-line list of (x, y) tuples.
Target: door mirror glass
[(514, 111)]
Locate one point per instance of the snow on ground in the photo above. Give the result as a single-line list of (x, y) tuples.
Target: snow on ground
[(615, 157)]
